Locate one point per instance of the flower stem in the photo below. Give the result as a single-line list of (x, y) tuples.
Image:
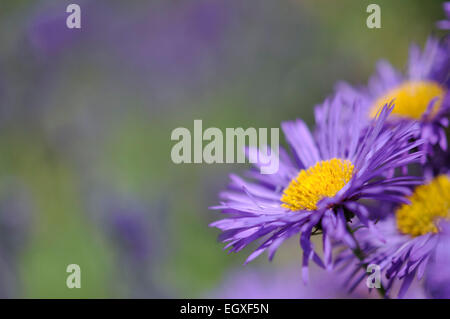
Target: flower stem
[(358, 252)]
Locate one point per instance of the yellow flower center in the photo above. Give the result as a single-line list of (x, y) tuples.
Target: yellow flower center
[(429, 204), (324, 179), (411, 99)]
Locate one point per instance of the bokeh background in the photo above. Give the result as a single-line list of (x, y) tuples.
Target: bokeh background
[(86, 116)]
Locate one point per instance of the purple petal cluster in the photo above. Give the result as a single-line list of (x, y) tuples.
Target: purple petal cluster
[(253, 208), (400, 257), (445, 24), (430, 65)]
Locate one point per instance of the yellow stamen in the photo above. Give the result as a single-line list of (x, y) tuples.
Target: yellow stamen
[(411, 99), (429, 204), (324, 179)]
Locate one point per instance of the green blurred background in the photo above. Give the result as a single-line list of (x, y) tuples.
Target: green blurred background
[(86, 116)]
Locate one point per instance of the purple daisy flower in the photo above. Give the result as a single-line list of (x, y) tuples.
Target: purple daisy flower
[(422, 94), (317, 192), (445, 24), (412, 237)]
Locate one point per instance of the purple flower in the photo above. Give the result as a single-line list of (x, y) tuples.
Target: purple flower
[(47, 33), (445, 24), (15, 216), (285, 283), (318, 190), (412, 237), (422, 94), (129, 230), (129, 224)]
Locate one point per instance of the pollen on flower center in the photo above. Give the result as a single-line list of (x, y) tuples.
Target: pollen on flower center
[(324, 179), (429, 204), (411, 99)]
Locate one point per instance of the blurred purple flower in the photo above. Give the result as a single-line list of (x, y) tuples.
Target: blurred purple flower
[(422, 94), (417, 233), (128, 226), (48, 34), (285, 283), (158, 36), (14, 233), (134, 229), (172, 41), (445, 24)]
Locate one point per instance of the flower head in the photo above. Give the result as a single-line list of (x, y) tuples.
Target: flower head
[(429, 204), (318, 191), (411, 235), (422, 94), (256, 283)]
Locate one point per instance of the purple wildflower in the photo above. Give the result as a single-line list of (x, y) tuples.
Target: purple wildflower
[(339, 166), (445, 24), (47, 33), (130, 227), (285, 283), (14, 234), (411, 238), (422, 94)]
